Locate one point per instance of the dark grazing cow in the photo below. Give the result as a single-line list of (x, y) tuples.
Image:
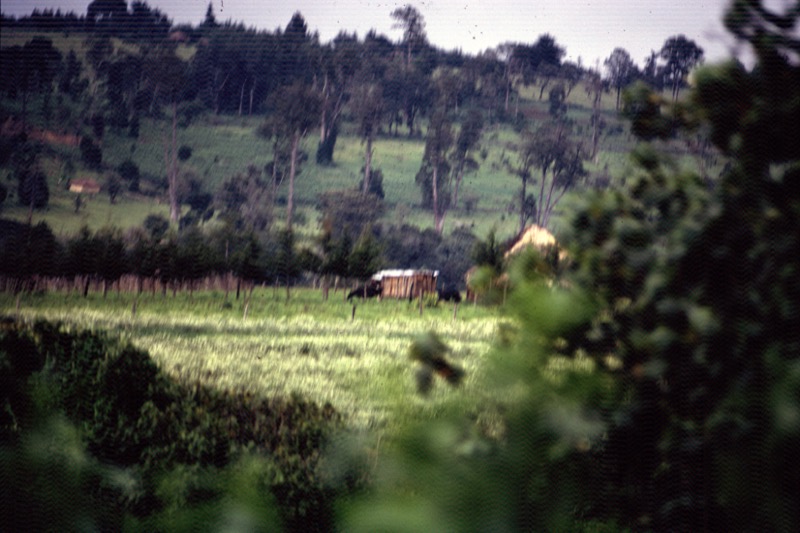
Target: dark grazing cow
[(369, 290), (449, 294)]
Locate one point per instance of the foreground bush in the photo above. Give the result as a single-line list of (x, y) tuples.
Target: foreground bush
[(658, 387), (142, 450)]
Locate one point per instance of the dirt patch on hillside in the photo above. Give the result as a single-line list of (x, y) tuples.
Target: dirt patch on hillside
[(12, 128), (52, 137)]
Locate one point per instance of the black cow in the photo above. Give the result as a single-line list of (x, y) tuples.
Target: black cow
[(449, 294), (370, 290)]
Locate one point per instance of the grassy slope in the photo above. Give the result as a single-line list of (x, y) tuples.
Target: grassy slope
[(223, 146)]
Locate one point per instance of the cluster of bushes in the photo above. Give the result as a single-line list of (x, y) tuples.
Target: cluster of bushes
[(179, 259), (21, 156), (30, 253), (129, 446)]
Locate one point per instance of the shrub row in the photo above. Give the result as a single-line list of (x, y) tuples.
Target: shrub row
[(133, 419)]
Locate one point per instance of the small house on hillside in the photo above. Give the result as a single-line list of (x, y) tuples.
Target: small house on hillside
[(84, 186), (402, 284)]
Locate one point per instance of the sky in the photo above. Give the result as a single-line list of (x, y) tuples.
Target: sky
[(587, 29)]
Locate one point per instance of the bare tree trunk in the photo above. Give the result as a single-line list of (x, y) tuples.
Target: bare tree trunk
[(508, 93), (292, 171), (438, 219), (33, 198), (171, 162), (555, 202), (323, 119), (540, 207), (252, 93), (219, 91), (522, 217), (459, 177), (368, 164), (545, 83), (241, 98), (548, 206), (155, 98), (275, 183)]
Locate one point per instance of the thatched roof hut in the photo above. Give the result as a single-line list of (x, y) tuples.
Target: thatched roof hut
[(535, 236)]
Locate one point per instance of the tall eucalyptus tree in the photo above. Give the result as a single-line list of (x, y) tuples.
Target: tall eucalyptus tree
[(168, 77), (681, 55), (368, 109), (621, 70), (338, 64), (433, 175), (295, 110)]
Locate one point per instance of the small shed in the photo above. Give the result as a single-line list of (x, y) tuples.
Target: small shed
[(402, 284), (84, 186)]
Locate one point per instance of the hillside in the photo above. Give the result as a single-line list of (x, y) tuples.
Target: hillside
[(97, 106)]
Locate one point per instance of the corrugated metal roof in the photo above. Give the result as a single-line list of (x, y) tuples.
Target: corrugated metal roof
[(403, 273)]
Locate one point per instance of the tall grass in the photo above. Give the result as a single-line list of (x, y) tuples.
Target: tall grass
[(316, 348)]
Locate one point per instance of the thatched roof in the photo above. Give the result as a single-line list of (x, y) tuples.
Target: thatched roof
[(535, 236)]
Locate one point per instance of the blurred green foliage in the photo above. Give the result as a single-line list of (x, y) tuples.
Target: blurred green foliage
[(94, 435), (656, 385)]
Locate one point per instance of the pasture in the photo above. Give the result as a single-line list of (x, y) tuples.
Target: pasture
[(304, 345)]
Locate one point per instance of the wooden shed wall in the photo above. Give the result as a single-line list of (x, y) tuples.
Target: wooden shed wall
[(408, 286)]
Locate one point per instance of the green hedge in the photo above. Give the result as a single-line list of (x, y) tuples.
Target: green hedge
[(173, 448)]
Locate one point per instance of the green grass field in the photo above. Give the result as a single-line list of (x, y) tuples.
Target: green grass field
[(307, 346)]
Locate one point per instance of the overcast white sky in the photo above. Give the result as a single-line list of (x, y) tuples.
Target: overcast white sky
[(589, 29)]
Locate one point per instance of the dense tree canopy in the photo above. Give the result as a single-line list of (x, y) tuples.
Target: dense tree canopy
[(410, 20), (680, 55), (107, 10), (621, 70), (296, 109)]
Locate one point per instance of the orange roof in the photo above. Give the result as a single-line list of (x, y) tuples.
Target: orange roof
[(84, 185)]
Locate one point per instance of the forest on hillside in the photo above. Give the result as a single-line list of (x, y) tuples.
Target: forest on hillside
[(120, 100)]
